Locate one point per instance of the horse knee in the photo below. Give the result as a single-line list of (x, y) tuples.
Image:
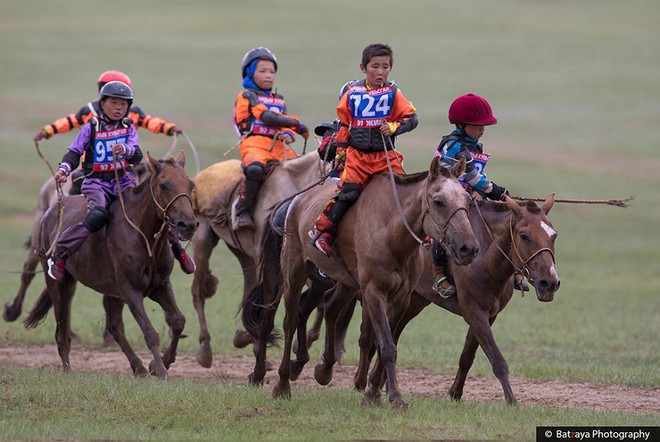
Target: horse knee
[(177, 324)]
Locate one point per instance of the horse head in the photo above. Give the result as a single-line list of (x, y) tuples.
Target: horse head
[(533, 242), (171, 190), (447, 209)]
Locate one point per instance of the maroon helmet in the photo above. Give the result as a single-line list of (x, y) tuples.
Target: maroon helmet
[(471, 109)]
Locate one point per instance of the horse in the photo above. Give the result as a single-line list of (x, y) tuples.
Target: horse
[(127, 261), (48, 196), (216, 190), (513, 238), (379, 257)]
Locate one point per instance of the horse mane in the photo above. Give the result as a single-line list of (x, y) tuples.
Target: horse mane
[(299, 164), (411, 178)]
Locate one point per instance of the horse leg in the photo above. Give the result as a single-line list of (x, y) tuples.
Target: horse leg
[(135, 303), (174, 319), (315, 331), (292, 287), (203, 287), (480, 328), (248, 267), (309, 301), (108, 337), (13, 310), (367, 350), (376, 305), (341, 296), (114, 308), (61, 294)]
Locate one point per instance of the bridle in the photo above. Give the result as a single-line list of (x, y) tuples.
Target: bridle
[(443, 228), (524, 269), (166, 221)]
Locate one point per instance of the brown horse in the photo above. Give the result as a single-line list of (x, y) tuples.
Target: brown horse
[(48, 196), (382, 255), (216, 191), (124, 262), (512, 238)]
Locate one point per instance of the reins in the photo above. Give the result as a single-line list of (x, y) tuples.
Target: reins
[(397, 201), (166, 221), (623, 203), (60, 206), (192, 147), (523, 270)]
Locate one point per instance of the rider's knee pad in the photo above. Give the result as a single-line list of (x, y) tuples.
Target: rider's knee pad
[(96, 219)]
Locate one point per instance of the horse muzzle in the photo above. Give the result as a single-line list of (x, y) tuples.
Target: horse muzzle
[(545, 288), (186, 229)]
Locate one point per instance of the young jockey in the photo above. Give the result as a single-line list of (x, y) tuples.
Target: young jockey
[(372, 112), (139, 119), (265, 129), (119, 140), (470, 114)]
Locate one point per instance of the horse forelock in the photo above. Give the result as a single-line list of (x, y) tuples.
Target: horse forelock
[(532, 207)]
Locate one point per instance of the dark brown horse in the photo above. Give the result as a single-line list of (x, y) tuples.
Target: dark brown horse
[(380, 257), (48, 196), (512, 238), (124, 262)]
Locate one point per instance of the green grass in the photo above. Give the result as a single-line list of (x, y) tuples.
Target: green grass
[(120, 407), (574, 86)]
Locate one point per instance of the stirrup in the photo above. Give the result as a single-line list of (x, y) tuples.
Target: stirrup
[(444, 292)]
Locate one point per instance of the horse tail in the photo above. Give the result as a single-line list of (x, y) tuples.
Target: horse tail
[(39, 310), (266, 294)]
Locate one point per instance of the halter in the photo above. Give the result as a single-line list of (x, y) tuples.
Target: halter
[(523, 270), (443, 229), (166, 220)]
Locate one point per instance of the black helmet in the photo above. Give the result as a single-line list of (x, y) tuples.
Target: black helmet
[(257, 54), (326, 128), (116, 89)]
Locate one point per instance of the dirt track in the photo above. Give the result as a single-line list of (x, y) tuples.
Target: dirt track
[(411, 381)]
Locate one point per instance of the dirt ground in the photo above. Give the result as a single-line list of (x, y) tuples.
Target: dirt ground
[(411, 381)]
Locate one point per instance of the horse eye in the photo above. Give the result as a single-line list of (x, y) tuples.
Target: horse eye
[(524, 237), (163, 186), (439, 204)]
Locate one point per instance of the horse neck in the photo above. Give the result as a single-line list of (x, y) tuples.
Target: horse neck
[(499, 222), (303, 170), (141, 209), (411, 197)]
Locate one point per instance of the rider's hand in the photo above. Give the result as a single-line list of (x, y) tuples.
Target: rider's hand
[(41, 135), (118, 150), (60, 176), (303, 131), (174, 130), (286, 138)]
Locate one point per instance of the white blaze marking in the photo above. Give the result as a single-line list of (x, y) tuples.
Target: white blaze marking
[(553, 272), (549, 230)]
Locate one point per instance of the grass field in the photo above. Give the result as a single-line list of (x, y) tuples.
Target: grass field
[(574, 85)]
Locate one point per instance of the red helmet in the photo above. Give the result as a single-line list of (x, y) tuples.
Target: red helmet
[(471, 109), (109, 76)]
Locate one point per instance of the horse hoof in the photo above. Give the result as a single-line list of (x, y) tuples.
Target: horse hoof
[(255, 380), (157, 369), (323, 374), (11, 314), (400, 404), (242, 339), (204, 356), (140, 372), (280, 392)]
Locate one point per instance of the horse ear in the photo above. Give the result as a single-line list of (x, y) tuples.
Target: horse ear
[(459, 168), (154, 165), (435, 165), (515, 208), (549, 202), (181, 159)]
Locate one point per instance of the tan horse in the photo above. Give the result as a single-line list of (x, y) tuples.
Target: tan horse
[(379, 256), (126, 261), (216, 191)]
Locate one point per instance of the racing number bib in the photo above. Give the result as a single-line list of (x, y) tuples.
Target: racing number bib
[(103, 142), (479, 160), (370, 108), (273, 104)]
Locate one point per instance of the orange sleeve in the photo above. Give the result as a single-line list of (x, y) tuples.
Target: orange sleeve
[(344, 114), (71, 121)]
